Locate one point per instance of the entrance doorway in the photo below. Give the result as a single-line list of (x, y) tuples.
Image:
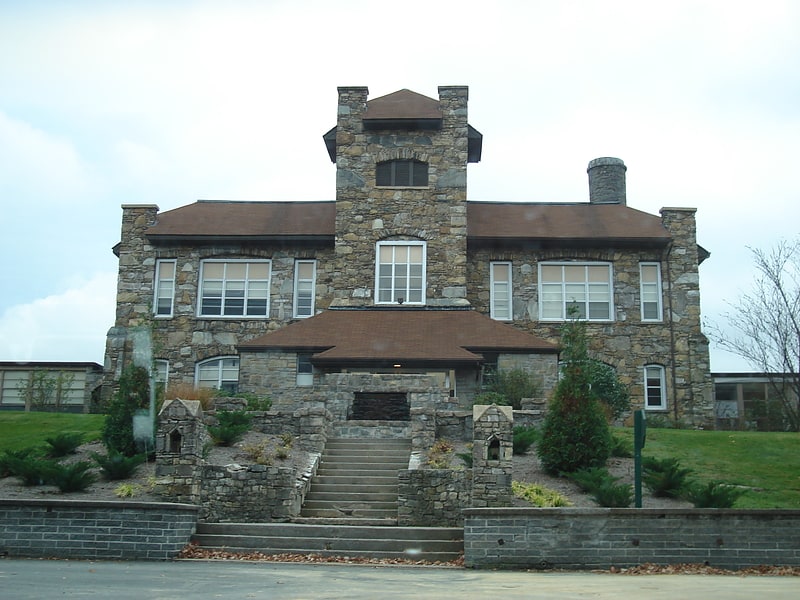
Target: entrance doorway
[(380, 406)]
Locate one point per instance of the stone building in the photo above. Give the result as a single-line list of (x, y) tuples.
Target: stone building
[(401, 274)]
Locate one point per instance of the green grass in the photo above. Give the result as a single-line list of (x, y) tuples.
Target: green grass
[(20, 430), (767, 465)]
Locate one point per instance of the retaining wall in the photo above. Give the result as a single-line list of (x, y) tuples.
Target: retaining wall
[(574, 538), (95, 530)]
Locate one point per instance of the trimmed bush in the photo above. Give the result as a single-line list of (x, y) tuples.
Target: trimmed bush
[(232, 425), (591, 478), (614, 495), (524, 438), (32, 470), (664, 477), (74, 477), (115, 466), (8, 458), (63, 444), (714, 494)]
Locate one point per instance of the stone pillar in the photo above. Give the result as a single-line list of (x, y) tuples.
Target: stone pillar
[(492, 452), (181, 438)]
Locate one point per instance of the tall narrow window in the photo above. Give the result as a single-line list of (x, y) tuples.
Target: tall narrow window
[(305, 371), (164, 288), (402, 173), (219, 373), (160, 374), (575, 290), (234, 288), (650, 285), (305, 272), (500, 284), (655, 393), (400, 276)]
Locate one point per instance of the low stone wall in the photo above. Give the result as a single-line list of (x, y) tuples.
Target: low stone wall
[(95, 530), (573, 538), (433, 497)]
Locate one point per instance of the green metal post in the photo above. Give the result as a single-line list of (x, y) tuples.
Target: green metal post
[(639, 438)]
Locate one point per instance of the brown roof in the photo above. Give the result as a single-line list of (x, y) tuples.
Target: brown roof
[(566, 222), (399, 335), (485, 221), (214, 219), (402, 104)]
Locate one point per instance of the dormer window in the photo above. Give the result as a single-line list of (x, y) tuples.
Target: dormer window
[(402, 173)]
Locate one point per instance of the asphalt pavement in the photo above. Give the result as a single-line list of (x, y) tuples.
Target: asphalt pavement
[(39, 579)]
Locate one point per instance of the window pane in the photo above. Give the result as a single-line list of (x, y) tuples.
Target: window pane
[(598, 273), (236, 271), (305, 270), (213, 270), (259, 270), (649, 273), (551, 273), (574, 273), (166, 270)]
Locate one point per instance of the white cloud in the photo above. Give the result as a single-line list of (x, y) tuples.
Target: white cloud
[(71, 326)]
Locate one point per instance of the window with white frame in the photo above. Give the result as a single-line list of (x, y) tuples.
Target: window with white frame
[(400, 273), (218, 373), (500, 284), (401, 173), (305, 273), (305, 371), (650, 289), (164, 288), (161, 374), (575, 290), (235, 288), (655, 389)]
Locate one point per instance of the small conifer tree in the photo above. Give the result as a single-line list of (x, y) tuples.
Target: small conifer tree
[(133, 394), (575, 433)]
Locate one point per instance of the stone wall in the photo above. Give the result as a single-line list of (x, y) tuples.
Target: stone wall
[(83, 530), (599, 538), (433, 497)]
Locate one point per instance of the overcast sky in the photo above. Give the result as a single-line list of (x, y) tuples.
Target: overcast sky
[(167, 102)]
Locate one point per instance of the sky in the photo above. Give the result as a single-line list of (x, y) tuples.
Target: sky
[(106, 103)]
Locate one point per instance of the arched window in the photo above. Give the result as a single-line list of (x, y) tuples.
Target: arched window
[(402, 173), (219, 373)]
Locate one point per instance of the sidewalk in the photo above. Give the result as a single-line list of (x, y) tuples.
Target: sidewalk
[(37, 579)]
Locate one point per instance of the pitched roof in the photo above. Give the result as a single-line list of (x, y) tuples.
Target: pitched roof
[(486, 221), (256, 220), (399, 336), (402, 104), (562, 222)]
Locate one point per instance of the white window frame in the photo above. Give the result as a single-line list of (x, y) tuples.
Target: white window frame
[(225, 366), (654, 372), (399, 294), (650, 292), (501, 305), (164, 289), (304, 288), (305, 370), (590, 289), (234, 287)]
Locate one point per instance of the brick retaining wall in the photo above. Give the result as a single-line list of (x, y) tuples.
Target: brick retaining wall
[(574, 538), (95, 530)]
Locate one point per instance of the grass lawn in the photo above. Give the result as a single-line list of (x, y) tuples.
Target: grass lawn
[(20, 430), (768, 464)]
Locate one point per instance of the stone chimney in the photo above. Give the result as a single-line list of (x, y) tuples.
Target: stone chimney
[(606, 181)]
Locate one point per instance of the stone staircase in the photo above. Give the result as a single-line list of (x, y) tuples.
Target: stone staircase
[(350, 511), (356, 482), (429, 544)]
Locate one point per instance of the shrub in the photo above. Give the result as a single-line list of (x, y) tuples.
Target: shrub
[(258, 403), (712, 495), (8, 458), (133, 394), (664, 477), (282, 452), (187, 391), (621, 447), (613, 495), (63, 444), (508, 388), (439, 454), (538, 495), (591, 478), (575, 433), (258, 453), (32, 470), (115, 466), (491, 398), (127, 490), (608, 389), (466, 457), (232, 426), (524, 438), (74, 477)]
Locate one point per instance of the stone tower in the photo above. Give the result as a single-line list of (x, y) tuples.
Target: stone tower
[(401, 192)]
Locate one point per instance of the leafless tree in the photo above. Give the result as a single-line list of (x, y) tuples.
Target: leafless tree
[(766, 324)]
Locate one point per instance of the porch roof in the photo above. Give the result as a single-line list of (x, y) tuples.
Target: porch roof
[(399, 336)]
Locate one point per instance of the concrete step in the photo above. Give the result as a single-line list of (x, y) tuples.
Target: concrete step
[(360, 496), (355, 480), (359, 464), (416, 543)]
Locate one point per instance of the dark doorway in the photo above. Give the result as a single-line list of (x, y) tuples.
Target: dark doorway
[(377, 406)]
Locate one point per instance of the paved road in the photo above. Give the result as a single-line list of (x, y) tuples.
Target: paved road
[(39, 579)]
